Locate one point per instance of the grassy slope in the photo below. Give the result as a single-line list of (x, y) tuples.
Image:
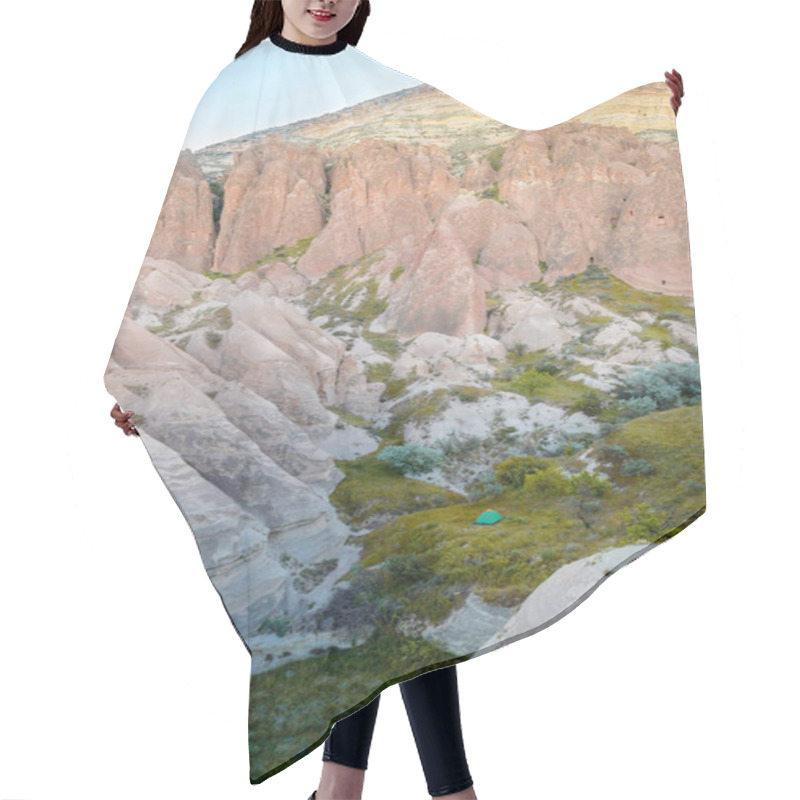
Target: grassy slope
[(290, 706)]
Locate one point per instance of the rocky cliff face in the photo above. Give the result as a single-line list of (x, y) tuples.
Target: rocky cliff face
[(382, 194), (603, 188), (185, 230), (273, 196)]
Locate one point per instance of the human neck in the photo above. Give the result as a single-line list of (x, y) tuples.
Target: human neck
[(328, 47), (293, 33)]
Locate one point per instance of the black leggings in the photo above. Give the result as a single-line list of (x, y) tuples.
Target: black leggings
[(432, 706)]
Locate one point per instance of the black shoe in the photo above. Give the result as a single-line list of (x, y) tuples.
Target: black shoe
[(314, 794)]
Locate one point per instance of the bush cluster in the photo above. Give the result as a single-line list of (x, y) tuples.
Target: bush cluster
[(665, 385), (412, 458)]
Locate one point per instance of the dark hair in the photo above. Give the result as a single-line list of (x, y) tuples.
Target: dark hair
[(266, 18)]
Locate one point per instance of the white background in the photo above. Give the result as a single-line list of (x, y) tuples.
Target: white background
[(120, 674)]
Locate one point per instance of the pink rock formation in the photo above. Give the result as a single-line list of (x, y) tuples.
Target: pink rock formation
[(378, 197), (505, 252), (440, 292), (185, 229), (273, 197), (577, 188)]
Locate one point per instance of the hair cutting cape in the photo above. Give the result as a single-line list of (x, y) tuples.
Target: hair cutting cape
[(419, 381)]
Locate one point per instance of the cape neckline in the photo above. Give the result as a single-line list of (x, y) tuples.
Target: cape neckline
[(309, 49)]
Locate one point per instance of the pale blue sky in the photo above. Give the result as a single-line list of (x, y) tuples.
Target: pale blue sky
[(270, 86)]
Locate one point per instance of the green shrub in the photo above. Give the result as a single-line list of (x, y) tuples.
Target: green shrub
[(452, 445), (512, 471), (611, 452), (408, 567), (469, 394), (590, 403), (549, 482), (213, 339), (411, 459), (638, 406), (492, 193), (643, 522), (549, 366), (531, 382), (666, 384), (588, 484), (379, 372), (549, 554), (495, 158), (636, 466)]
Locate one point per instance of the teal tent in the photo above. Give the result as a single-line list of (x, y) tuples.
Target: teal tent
[(489, 517)]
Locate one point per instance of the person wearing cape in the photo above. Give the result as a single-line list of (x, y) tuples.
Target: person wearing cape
[(419, 381)]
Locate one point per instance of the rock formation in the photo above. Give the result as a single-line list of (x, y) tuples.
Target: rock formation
[(185, 229)]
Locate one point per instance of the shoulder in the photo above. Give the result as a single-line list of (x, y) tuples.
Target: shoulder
[(367, 64), (227, 103)]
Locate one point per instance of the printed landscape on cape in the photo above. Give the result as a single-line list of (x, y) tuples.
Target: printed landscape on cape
[(418, 381)]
